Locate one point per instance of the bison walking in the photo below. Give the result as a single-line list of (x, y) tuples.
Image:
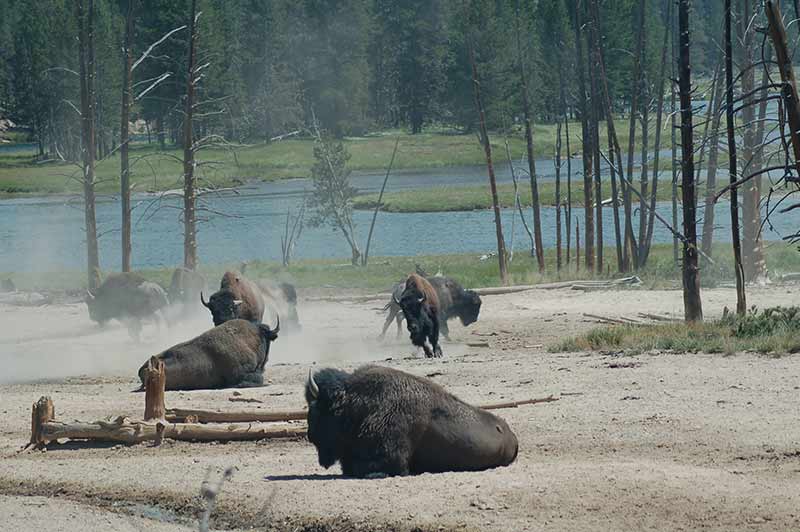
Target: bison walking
[(237, 298), (129, 298), (381, 421), (420, 305), (454, 302), (230, 355)]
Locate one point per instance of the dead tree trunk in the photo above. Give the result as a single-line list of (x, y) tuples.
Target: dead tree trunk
[(674, 145), (43, 411), (693, 308), (631, 249), (558, 194), (189, 179), (568, 208), (595, 145), (588, 221), (644, 103), (487, 147), (537, 221), (85, 16), (741, 301), (752, 253), (783, 58), (124, 137), (644, 254), (155, 381), (614, 151), (365, 257), (711, 173)]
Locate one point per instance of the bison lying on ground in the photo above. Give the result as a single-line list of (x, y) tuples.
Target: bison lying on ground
[(454, 302), (129, 298), (381, 421), (230, 355), (237, 298), (420, 306)]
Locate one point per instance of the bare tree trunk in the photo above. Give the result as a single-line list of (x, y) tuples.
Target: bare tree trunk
[(645, 246), (189, 194), (568, 209), (124, 136), (741, 301), (631, 249), (365, 257), (752, 255), (587, 141), (537, 221), (693, 308), (558, 195), (501, 245), (85, 15), (673, 128), (614, 152), (711, 173), (595, 146), (577, 246)]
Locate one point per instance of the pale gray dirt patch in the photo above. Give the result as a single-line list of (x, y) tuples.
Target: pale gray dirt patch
[(709, 442)]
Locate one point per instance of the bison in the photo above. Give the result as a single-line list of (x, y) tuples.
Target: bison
[(381, 421), (420, 306), (281, 297), (454, 302), (129, 298), (237, 298), (230, 355), (185, 286)]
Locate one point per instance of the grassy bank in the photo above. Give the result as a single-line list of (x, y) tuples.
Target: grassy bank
[(161, 170), (769, 331), (468, 198), (382, 272)]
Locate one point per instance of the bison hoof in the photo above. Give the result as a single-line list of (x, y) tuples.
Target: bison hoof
[(437, 353), (375, 475)]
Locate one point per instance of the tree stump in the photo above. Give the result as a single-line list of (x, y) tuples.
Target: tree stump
[(155, 380), (42, 411)]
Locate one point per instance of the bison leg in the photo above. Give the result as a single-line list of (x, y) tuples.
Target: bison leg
[(375, 460), (392, 313), (251, 380), (399, 318), (134, 329), (434, 338), (445, 330)]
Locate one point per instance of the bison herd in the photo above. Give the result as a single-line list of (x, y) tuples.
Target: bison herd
[(375, 421)]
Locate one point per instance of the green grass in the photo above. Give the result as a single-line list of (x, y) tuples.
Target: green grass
[(468, 198), (382, 272), (770, 331), (156, 170)]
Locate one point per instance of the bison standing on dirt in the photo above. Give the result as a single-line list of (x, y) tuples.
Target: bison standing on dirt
[(230, 355), (381, 421), (420, 305), (454, 302), (237, 298), (129, 298)]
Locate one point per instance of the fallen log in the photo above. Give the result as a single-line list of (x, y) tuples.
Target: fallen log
[(656, 317), (177, 415), (606, 319), (123, 430)]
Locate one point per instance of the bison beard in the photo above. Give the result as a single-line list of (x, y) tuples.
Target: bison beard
[(381, 421), (420, 306), (232, 354)]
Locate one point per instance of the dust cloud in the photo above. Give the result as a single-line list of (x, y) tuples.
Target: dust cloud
[(60, 341)]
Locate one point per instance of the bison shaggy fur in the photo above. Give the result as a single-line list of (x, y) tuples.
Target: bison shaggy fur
[(420, 306), (381, 421), (237, 298), (129, 298), (230, 355)]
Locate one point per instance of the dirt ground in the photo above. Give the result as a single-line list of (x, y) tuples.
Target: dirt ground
[(660, 441)]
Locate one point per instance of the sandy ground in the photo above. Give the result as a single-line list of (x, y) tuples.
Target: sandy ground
[(660, 442)]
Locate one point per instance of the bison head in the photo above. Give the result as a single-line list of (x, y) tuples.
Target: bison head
[(325, 393), (97, 308), (414, 309), (223, 306), (470, 308)]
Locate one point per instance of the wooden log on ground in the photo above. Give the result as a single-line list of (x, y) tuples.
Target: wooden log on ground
[(155, 381), (177, 415), (605, 319), (515, 404), (123, 430), (43, 411)]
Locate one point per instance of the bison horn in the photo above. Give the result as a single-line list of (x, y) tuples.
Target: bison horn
[(203, 300), (237, 302), (312, 385), (278, 326), (90, 295), (423, 298)]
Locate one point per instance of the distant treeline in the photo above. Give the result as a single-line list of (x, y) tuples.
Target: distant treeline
[(357, 65)]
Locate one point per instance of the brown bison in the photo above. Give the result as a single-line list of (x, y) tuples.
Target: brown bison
[(381, 421), (454, 302), (128, 298), (230, 355), (237, 298), (420, 305)]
